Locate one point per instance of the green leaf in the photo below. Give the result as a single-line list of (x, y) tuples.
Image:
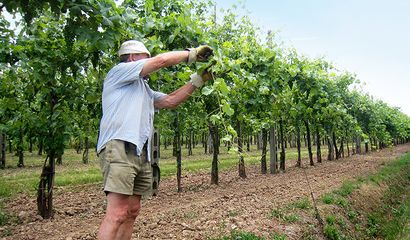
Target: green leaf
[(264, 90), (232, 131), (222, 87), (227, 138), (148, 25), (215, 118), (107, 22), (226, 108), (207, 90)]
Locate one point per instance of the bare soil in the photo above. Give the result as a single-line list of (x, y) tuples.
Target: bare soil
[(202, 210)]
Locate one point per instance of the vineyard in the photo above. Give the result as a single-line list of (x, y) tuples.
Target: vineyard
[(271, 129)]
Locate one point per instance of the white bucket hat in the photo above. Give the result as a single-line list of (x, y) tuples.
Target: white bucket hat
[(133, 46)]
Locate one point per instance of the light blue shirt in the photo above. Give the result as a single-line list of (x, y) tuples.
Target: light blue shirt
[(128, 107)]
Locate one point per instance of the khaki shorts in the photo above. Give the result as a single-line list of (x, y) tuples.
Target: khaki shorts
[(123, 171)]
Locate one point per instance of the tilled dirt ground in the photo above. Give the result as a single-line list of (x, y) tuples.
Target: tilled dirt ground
[(203, 211)]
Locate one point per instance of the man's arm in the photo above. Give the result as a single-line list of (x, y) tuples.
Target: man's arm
[(175, 98), (180, 95), (199, 54), (163, 60)]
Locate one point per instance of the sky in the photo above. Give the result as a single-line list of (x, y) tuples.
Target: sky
[(370, 38)]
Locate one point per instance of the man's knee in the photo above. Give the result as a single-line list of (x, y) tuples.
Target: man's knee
[(118, 216), (127, 213), (134, 209)]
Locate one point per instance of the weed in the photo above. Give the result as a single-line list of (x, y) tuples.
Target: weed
[(328, 198), (276, 213), (352, 215), (291, 218), (375, 179), (331, 219), (4, 218), (342, 202), (331, 232), (279, 214), (347, 188), (233, 213), (361, 179), (342, 223), (373, 225), (303, 203), (190, 215)]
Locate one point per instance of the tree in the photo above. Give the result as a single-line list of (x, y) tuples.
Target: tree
[(49, 48)]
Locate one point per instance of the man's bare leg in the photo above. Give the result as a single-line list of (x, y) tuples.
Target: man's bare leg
[(120, 216)]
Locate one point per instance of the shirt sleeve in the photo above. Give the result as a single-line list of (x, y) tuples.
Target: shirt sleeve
[(125, 73), (157, 95)]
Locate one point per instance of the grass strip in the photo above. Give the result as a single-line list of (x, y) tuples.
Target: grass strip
[(388, 221)]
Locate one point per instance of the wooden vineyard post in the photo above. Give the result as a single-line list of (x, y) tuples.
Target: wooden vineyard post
[(3, 150), (273, 151)]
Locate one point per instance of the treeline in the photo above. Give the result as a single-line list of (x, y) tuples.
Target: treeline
[(53, 66)]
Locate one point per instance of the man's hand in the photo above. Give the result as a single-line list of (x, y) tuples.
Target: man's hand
[(199, 54), (206, 75), (199, 80), (203, 53)]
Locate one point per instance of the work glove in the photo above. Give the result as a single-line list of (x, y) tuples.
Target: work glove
[(199, 54), (199, 80)]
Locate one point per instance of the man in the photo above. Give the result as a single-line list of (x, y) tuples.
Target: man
[(126, 126)]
